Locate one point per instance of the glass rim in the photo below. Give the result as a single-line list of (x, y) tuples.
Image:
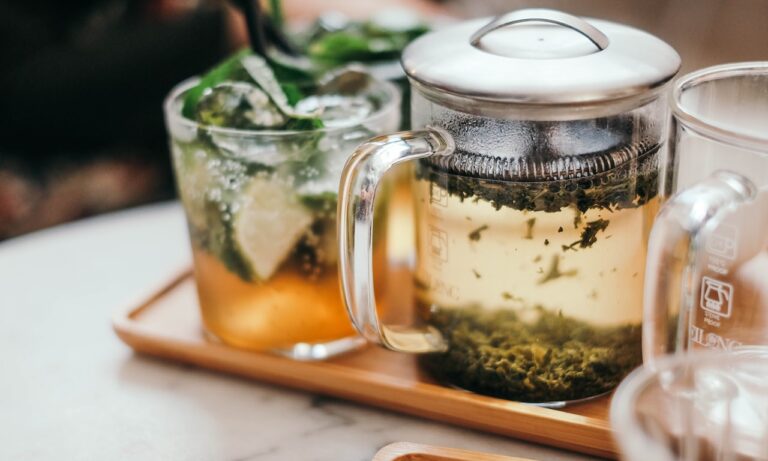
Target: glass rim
[(175, 116), (712, 129), (625, 425)]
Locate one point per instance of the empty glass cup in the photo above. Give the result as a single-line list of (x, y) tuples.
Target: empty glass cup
[(699, 406), (706, 283)]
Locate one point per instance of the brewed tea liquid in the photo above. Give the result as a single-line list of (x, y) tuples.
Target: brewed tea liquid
[(539, 301), (292, 307), (472, 254), (264, 247)]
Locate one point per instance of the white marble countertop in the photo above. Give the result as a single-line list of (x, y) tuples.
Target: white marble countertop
[(70, 390)]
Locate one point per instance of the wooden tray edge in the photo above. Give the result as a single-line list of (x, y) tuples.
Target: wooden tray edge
[(123, 318), (407, 451), (536, 428)]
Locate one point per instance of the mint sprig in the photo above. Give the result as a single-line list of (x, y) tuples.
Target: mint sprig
[(230, 69)]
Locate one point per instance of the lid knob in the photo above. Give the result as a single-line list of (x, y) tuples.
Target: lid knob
[(540, 42), (539, 63)]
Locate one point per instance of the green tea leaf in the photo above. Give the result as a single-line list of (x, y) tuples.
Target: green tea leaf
[(554, 272), (475, 234), (589, 234), (529, 228), (548, 357), (623, 187)]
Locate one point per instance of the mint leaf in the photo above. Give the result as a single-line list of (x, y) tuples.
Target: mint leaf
[(264, 76), (362, 42), (230, 69), (346, 46), (302, 124), (292, 92)]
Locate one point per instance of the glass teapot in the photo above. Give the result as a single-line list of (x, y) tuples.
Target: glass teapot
[(535, 188)]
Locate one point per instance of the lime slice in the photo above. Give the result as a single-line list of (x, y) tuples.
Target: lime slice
[(267, 223)]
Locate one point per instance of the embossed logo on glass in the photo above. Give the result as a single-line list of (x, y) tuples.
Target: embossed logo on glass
[(716, 297)]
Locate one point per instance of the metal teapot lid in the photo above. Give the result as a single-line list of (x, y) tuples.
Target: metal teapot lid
[(540, 57)]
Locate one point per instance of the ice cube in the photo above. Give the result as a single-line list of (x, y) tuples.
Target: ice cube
[(238, 105), (337, 110)]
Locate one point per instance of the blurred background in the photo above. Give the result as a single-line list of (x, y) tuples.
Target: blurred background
[(81, 124)]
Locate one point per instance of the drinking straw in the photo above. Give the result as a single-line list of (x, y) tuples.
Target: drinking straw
[(276, 10), (262, 29), (251, 10)]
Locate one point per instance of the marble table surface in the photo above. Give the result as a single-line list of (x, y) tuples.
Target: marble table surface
[(70, 390)]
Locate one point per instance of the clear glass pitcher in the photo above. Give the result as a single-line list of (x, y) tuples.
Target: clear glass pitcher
[(707, 273), (533, 201)]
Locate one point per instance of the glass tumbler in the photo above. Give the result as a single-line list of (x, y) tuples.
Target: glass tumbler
[(708, 405), (261, 212), (706, 284)]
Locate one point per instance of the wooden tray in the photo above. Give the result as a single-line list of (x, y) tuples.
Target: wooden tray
[(404, 451), (167, 324)]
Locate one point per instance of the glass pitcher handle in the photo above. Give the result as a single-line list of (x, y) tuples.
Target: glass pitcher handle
[(679, 233), (357, 193)]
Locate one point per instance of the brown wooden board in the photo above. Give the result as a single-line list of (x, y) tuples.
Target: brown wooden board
[(404, 451), (167, 324)]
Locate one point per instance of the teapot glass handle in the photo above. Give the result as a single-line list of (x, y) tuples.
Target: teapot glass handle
[(543, 15), (357, 193), (677, 239)]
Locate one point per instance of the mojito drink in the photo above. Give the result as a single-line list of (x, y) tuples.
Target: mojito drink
[(257, 163)]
